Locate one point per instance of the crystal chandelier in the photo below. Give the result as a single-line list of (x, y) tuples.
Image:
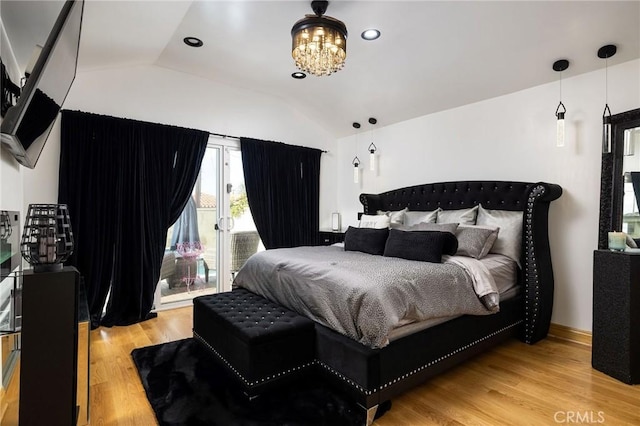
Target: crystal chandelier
[(319, 43)]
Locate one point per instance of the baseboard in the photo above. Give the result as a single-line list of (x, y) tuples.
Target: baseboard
[(571, 334)]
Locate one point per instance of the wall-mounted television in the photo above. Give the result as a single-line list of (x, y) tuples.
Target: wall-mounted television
[(26, 125)]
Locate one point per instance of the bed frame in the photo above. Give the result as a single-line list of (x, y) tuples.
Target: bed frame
[(373, 376)]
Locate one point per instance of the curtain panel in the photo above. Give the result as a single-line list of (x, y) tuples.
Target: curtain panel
[(124, 182), (283, 191)]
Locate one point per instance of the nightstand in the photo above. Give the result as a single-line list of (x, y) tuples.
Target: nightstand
[(616, 315), (326, 238)]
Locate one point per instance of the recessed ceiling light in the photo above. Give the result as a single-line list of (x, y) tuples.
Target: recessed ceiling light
[(370, 34), (299, 75), (193, 41)]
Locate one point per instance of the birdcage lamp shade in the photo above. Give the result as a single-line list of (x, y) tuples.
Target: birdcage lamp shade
[(47, 240), (5, 225)]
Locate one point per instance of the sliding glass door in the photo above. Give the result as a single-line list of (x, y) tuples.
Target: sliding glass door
[(242, 237), (214, 234)]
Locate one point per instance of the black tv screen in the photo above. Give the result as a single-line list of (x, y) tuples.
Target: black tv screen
[(26, 125)]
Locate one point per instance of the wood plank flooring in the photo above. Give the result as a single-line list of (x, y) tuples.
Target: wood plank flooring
[(549, 383)]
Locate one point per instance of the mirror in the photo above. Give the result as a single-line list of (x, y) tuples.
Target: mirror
[(620, 179)]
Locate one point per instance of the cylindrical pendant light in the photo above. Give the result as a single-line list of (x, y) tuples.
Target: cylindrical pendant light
[(560, 66), (605, 52), (356, 161), (372, 148), (630, 137), (606, 130), (356, 169)]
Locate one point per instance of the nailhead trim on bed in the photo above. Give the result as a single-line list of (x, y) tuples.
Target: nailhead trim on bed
[(343, 377), (241, 377), (429, 364), (532, 295), (532, 199)]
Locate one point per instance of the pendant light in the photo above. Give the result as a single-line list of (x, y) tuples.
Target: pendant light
[(605, 52), (356, 160), (560, 66), (630, 137), (372, 148)]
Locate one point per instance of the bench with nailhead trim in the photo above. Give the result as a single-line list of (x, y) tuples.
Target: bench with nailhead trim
[(259, 342)]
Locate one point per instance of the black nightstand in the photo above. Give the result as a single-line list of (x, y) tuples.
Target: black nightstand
[(330, 237), (616, 315)]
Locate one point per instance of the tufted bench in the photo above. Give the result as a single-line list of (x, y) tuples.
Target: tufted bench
[(260, 342)]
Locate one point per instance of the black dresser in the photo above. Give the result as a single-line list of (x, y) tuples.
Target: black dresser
[(616, 315)]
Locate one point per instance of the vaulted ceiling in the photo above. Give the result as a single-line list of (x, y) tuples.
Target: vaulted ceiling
[(431, 56)]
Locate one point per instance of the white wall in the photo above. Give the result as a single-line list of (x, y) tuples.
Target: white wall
[(510, 138), (10, 170), (160, 95)]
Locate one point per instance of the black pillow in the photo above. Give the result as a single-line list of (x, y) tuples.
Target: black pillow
[(367, 240), (424, 246), (450, 245)]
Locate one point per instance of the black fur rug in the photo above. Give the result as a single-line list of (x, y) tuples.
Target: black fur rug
[(185, 386)]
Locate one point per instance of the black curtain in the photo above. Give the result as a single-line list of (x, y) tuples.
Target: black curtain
[(283, 191), (124, 182), (635, 181)]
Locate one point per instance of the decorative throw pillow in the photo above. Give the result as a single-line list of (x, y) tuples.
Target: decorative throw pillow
[(476, 241), (366, 240), (424, 246), (450, 245), (413, 218), (509, 240), (442, 227), (395, 217), (461, 216), (378, 221)]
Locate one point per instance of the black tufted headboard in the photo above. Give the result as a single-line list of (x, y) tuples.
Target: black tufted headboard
[(531, 198), (450, 196)]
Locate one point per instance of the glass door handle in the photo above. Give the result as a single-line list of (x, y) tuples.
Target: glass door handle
[(231, 221)]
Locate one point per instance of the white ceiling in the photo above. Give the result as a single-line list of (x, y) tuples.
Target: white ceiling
[(432, 55)]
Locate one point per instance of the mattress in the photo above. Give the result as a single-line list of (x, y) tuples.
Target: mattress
[(504, 271)]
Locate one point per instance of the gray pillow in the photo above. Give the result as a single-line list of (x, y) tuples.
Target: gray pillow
[(413, 218), (462, 216), (442, 227), (475, 241), (509, 240)]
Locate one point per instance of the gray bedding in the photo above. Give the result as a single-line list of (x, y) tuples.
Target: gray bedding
[(364, 296)]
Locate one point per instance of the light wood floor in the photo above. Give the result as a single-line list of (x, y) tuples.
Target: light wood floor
[(549, 383)]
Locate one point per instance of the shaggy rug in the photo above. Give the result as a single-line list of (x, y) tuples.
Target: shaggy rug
[(185, 386)]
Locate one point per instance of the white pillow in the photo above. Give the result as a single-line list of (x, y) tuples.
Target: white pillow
[(461, 216), (413, 218), (378, 221), (509, 240), (395, 217)]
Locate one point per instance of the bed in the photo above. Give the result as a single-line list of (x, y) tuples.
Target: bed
[(373, 370)]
